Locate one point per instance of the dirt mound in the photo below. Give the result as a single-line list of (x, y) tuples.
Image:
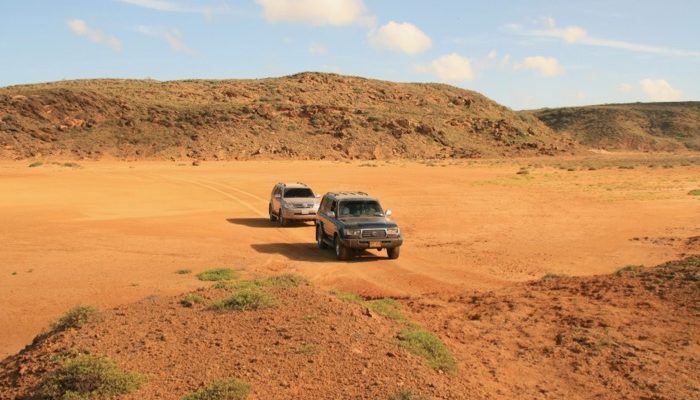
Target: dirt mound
[(310, 345), (638, 126), (632, 333), (303, 116)]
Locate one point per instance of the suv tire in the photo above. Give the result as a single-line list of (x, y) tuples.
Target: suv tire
[(319, 237), (281, 219), (393, 252), (273, 217), (341, 252)]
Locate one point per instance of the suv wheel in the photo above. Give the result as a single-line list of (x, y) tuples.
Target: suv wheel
[(269, 211), (393, 252), (319, 237), (341, 252), (281, 219)]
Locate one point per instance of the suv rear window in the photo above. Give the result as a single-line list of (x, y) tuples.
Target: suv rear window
[(298, 192)]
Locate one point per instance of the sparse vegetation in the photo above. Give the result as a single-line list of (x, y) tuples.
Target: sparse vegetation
[(244, 300), (694, 192), (347, 296), (191, 299), (86, 376), (36, 164), (552, 276), (405, 394), (425, 344), (629, 268), (306, 349), (218, 274), (285, 280), (76, 317), (225, 389), (183, 271), (386, 307)]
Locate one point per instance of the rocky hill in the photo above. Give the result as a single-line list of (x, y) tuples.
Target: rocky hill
[(637, 126), (304, 116), (631, 335)]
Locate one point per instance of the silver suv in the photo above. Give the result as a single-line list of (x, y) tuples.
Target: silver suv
[(292, 201)]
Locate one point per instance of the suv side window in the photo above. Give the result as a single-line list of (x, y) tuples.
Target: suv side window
[(324, 204), (334, 205)]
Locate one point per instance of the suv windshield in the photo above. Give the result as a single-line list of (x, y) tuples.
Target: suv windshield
[(298, 192), (360, 208)]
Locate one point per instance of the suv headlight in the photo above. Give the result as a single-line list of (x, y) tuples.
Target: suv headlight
[(352, 232), (393, 232), (287, 205)]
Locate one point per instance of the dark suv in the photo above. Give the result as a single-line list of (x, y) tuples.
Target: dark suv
[(350, 221)]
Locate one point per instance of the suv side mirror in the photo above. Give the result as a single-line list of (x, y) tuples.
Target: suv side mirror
[(331, 214), (278, 196), (388, 213)]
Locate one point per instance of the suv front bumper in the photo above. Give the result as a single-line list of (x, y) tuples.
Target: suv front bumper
[(298, 214), (383, 243)]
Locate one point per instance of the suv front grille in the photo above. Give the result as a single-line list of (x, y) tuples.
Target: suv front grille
[(304, 205), (373, 233)]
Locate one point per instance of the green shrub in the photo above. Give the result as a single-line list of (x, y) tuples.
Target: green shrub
[(245, 299), (425, 344), (386, 307), (87, 376), (285, 280), (36, 164), (183, 271), (405, 394), (191, 299), (225, 389), (347, 296), (551, 276), (694, 192), (76, 317), (218, 274)]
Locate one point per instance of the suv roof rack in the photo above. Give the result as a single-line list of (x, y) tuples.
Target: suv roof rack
[(349, 194)]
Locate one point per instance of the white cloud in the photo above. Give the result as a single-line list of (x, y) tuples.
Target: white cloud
[(625, 88), (546, 66), (314, 12), (450, 68), (660, 90), (180, 7), (576, 35), (404, 37), (169, 35), (317, 49), (81, 28)]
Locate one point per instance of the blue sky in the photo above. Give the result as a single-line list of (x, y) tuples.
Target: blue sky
[(523, 54)]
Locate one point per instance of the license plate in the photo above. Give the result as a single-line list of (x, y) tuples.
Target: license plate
[(304, 212), (375, 244)]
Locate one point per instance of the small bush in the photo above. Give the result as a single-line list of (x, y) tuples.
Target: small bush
[(386, 307), (229, 285), (218, 274), (523, 171), (36, 164), (243, 300), (9, 118), (183, 271), (694, 192), (550, 276), (349, 297), (629, 268), (191, 299), (86, 377), (225, 389), (425, 344), (285, 280), (76, 317), (405, 394)]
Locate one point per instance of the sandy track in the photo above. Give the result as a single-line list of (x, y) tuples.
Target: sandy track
[(111, 233)]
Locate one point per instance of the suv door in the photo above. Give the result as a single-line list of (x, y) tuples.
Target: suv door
[(329, 228), (276, 200)]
